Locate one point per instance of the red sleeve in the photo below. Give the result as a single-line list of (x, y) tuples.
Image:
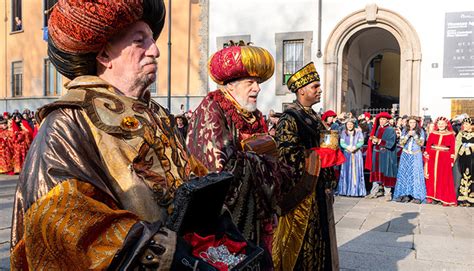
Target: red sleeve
[(28, 127), (431, 139), (451, 142)]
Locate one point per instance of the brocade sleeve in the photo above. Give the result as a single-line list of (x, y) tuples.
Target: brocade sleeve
[(290, 150)]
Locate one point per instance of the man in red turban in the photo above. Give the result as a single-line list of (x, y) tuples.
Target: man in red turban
[(101, 174), (220, 128), (381, 157)]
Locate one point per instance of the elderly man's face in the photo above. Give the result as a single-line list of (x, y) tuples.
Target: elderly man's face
[(245, 91), (131, 59)]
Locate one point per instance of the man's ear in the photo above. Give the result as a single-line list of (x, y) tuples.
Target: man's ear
[(103, 58), (301, 91)]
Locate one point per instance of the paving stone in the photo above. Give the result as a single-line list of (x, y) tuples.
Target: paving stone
[(463, 232), (365, 261), (384, 215), (351, 223), (391, 251), (5, 235), (381, 227), (353, 214), (5, 256), (460, 221), (345, 235), (403, 228), (444, 249), (435, 230)]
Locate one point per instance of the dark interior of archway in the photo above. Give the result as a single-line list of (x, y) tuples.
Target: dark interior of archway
[(371, 71), (384, 82)]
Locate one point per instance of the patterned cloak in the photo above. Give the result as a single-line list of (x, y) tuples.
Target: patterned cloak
[(98, 183), (215, 131)]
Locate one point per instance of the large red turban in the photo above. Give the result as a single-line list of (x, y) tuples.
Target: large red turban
[(79, 29), (236, 62)]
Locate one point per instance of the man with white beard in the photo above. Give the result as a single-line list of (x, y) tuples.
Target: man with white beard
[(225, 126)]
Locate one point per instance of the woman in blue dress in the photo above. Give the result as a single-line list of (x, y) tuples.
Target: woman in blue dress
[(351, 180), (410, 179)]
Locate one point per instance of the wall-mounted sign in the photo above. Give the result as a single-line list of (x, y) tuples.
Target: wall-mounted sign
[(459, 45)]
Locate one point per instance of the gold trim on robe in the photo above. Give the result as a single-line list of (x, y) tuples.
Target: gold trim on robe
[(289, 235), (70, 229)]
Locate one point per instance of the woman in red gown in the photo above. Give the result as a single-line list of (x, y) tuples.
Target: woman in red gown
[(439, 157), (21, 142), (6, 151)]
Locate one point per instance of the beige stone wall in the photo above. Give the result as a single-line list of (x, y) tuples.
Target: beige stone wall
[(28, 45), (185, 50)]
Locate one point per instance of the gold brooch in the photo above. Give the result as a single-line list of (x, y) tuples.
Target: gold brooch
[(130, 124)]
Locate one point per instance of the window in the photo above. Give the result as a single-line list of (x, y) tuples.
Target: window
[(17, 79), (292, 58), (53, 79), (152, 88), (17, 24), (293, 51)]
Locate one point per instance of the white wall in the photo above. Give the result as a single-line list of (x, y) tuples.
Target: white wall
[(262, 19)]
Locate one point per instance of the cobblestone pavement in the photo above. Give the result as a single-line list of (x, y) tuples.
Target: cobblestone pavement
[(373, 234), (7, 192)]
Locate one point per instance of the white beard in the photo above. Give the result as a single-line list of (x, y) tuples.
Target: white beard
[(247, 106)]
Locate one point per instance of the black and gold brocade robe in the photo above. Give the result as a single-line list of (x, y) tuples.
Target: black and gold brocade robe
[(465, 166), (304, 239), (98, 182)]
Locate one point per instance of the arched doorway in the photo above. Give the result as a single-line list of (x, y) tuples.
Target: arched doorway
[(370, 71), (352, 51)]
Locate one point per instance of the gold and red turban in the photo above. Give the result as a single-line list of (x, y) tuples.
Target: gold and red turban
[(79, 29), (237, 62)]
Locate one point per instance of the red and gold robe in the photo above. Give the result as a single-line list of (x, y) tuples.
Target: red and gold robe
[(6, 152), (21, 141), (438, 168), (215, 133)]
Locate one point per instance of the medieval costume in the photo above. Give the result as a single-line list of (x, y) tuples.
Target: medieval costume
[(103, 169), (305, 237), (381, 158), (439, 155), (351, 179), (6, 149), (217, 131), (410, 178), (465, 163), (333, 125), (21, 141)]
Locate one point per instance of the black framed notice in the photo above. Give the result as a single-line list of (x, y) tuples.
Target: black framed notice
[(459, 45)]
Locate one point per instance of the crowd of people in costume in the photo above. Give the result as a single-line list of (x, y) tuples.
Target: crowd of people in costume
[(102, 179), (405, 158), (17, 131)]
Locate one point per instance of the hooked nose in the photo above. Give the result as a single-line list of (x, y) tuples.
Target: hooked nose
[(256, 87), (153, 50)]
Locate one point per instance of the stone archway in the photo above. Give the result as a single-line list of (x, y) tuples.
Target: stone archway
[(410, 55)]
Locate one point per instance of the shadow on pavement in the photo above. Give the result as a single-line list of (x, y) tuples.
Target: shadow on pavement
[(378, 249)]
